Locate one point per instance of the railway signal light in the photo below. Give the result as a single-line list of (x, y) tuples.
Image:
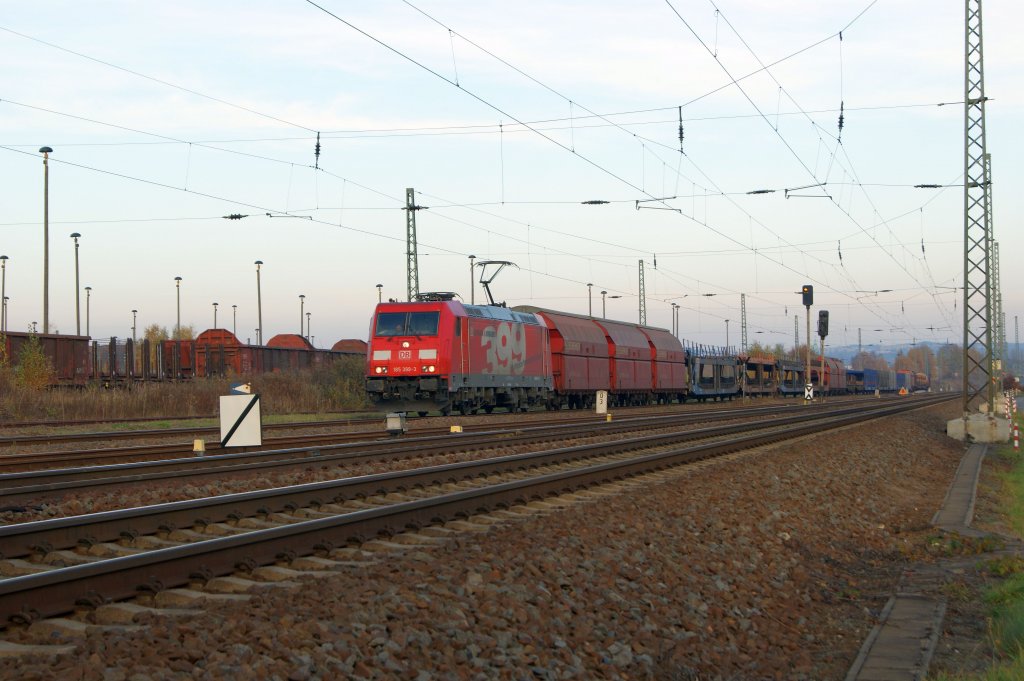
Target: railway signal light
[(823, 323), (808, 294)]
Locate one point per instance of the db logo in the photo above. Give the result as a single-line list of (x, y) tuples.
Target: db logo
[(405, 354)]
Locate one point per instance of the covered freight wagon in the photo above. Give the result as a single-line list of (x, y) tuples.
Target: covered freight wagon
[(629, 350), (668, 365), (580, 357), (834, 380)]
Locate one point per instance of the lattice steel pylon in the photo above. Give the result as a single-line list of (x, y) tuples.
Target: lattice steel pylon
[(412, 261), (643, 297), (796, 334), (977, 375), (743, 322), (998, 319)]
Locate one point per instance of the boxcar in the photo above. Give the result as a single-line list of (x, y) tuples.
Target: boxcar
[(69, 355), (854, 381)]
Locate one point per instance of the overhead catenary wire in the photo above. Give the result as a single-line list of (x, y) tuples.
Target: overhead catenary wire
[(782, 138), (578, 118), (541, 84), (154, 79)]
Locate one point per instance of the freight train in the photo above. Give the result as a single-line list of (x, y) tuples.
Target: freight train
[(79, 360), (443, 355)]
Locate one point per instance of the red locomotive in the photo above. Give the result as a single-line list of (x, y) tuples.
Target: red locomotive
[(444, 355), (439, 354)]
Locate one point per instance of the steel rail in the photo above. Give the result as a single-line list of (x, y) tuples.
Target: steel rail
[(18, 462), (58, 591), (31, 486), (42, 536), (26, 439)]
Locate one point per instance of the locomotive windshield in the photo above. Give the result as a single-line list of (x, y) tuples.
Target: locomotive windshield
[(407, 323)]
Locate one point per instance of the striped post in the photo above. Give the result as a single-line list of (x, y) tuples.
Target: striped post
[(1016, 438)]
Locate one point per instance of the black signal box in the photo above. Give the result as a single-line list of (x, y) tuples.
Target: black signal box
[(808, 292), (823, 323)]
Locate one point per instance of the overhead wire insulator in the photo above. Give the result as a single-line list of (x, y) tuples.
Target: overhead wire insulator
[(839, 245), (681, 130), (841, 121), (316, 152)]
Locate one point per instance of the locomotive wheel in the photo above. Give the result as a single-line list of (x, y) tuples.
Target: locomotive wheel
[(422, 413), (488, 408)]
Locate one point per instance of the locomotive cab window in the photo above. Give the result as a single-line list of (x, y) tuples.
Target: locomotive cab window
[(407, 323), (423, 323), (391, 324)]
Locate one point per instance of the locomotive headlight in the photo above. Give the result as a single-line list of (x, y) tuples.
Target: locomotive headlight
[(430, 368), (379, 370)]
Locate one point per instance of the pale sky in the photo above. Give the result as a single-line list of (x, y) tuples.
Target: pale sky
[(165, 116)]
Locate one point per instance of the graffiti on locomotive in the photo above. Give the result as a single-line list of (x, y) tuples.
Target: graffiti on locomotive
[(505, 347)]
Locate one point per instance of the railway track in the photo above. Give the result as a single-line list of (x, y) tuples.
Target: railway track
[(14, 462), (38, 486), (57, 565)]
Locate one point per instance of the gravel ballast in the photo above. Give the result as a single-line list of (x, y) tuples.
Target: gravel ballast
[(770, 566)]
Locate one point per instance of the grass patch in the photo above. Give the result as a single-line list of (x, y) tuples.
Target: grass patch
[(311, 392), (1011, 670), (1005, 600)]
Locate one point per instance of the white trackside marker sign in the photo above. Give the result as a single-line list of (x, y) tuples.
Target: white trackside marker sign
[(240, 421)]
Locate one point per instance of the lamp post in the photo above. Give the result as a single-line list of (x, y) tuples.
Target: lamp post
[(590, 300), (604, 295), (379, 294), (46, 151), (177, 329), (234, 320), (472, 283), (3, 293), (134, 317), (259, 306), (308, 316), (78, 308), (302, 313), (88, 296), (215, 315)]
